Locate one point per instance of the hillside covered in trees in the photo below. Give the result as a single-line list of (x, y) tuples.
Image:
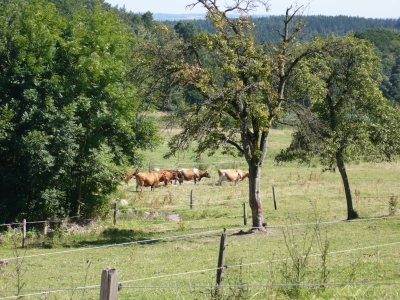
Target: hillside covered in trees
[(265, 27)]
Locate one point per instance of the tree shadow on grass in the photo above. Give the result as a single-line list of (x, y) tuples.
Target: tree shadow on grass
[(111, 237)]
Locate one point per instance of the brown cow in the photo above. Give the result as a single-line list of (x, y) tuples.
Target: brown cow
[(231, 175), (189, 174), (129, 174), (147, 179), (168, 176)]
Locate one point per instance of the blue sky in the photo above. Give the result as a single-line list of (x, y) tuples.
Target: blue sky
[(360, 8)]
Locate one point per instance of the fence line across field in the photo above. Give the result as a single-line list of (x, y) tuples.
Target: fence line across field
[(173, 206), (279, 225), (142, 208), (47, 221), (245, 217), (333, 284), (257, 263), (205, 233), (251, 264)]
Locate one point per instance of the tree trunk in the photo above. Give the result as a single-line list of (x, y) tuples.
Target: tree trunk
[(351, 213), (255, 198)]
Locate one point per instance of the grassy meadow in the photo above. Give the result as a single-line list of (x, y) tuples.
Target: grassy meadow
[(163, 249)]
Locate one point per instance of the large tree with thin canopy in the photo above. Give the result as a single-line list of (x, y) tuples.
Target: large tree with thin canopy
[(243, 90)]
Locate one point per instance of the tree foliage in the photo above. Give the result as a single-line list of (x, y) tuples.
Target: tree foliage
[(70, 122), (347, 115), (244, 90)]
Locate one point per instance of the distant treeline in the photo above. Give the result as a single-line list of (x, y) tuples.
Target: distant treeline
[(265, 30)]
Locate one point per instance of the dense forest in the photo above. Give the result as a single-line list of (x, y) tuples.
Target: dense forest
[(78, 77), (265, 27)]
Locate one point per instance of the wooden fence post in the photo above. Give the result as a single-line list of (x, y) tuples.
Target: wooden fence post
[(109, 284), (273, 196), (115, 213), (23, 233), (191, 199), (221, 258), (45, 226), (244, 213)]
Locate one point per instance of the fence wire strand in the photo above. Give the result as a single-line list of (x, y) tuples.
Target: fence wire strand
[(260, 262), (210, 232), (332, 284)]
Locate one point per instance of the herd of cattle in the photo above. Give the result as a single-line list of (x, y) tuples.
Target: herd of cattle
[(153, 178)]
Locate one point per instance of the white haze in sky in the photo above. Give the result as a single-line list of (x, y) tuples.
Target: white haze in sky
[(359, 8)]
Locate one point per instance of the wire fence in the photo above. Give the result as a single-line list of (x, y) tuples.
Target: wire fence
[(196, 205), (266, 285), (29, 293), (196, 234)]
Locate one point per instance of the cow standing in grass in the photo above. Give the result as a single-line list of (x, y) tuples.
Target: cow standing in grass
[(192, 174), (169, 175), (128, 175), (231, 175), (148, 179)]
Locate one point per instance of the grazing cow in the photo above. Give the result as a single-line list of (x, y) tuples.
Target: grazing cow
[(231, 175), (129, 174), (147, 179), (168, 176), (189, 174)]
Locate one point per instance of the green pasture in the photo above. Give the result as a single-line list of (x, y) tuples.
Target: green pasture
[(163, 249)]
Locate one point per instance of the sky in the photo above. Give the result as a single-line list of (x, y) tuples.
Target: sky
[(358, 8)]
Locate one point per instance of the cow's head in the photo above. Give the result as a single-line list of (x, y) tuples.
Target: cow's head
[(206, 174)]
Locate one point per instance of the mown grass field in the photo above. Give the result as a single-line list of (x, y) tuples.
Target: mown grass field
[(162, 249)]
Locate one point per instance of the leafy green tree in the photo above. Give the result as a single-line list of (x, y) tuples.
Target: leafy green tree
[(347, 116), (70, 119), (244, 91), (29, 35)]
